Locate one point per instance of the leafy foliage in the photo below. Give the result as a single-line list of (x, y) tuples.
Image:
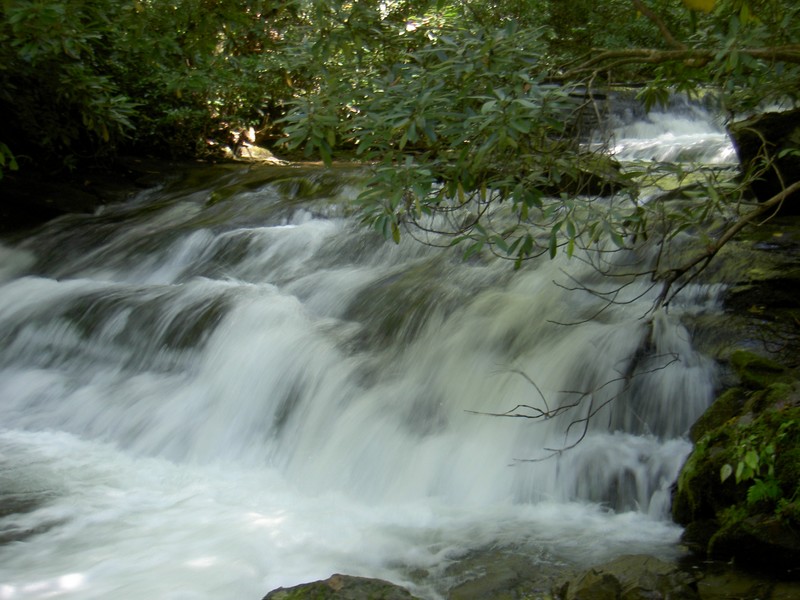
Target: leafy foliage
[(756, 460), (82, 78), (50, 86), (472, 114)]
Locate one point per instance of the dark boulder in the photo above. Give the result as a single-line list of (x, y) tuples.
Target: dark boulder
[(738, 495), (634, 577), (774, 135), (342, 587)]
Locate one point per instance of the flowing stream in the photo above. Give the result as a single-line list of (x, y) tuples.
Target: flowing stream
[(217, 388)]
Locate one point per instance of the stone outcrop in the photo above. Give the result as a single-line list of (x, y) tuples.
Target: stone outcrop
[(634, 577), (342, 587), (773, 134), (738, 495)]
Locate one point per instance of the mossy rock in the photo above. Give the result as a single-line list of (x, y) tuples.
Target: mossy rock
[(772, 396), (728, 406), (757, 541), (343, 587), (632, 577), (757, 520), (754, 370), (699, 493)]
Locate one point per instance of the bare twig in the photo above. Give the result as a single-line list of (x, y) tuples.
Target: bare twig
[(527, 411)]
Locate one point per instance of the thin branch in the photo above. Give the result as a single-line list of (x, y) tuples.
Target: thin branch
[(692, 268), (659, 22), (697, 57), (592, 409)]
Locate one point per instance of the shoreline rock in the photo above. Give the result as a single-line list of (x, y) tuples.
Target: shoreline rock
[(343, 587)]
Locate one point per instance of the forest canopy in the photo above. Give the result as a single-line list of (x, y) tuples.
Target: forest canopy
[(458, 107), (84, 78)]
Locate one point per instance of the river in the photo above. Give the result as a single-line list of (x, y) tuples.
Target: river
[(217, 388)]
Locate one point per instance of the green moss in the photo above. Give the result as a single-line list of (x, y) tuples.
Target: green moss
[(342, 587), (755, 429), (723, 409), (772, 395), (755, 371), (700, 475)]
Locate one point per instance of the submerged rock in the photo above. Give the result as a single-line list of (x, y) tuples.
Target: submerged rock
[(502, 575), (633, 577)]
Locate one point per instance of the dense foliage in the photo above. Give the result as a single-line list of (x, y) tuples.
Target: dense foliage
[(83, 77), (473, 114)]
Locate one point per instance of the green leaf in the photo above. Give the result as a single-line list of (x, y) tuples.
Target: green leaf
[(725, 472), (617, 239), (751, 459), (473, 249), (521, 126), (500, 243), (553, 242), (488, 106)]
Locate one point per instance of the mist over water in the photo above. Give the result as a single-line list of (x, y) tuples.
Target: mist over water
[(212, 399)]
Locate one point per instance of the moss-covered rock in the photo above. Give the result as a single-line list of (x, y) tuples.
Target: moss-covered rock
[(342, 587), (633, 577), (728, 406), (755, 371), (738, 494)]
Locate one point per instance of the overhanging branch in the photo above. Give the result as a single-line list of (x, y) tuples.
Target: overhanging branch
[(659, 22), (688, 271), (695, 57)]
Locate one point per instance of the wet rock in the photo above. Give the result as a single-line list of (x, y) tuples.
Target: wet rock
[(755, 371), (718, 581), (771, 133), (502, 575), (342, 587), (738, 494), (633, 577)]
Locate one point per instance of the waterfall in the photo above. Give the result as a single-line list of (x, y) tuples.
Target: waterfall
[(684, 133), (211, 398)]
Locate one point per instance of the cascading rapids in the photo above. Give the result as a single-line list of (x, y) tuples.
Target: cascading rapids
[(211, 399)]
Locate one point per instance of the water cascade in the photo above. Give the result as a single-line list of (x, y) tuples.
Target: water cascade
[(217, 389)]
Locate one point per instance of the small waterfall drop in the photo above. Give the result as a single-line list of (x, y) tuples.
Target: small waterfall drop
[(213, 399), (688, 135)]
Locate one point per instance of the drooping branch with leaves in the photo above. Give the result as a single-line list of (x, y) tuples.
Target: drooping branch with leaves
[(475, 132)]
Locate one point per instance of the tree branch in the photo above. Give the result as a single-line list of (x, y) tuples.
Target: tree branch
[(696, 265), (659, 22), (789, 53)]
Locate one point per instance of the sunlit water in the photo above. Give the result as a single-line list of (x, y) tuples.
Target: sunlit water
[(205, 399), (665, 137)]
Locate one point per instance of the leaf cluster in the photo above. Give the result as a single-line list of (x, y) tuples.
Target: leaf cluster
[(474, 116), (754, 463), (83, 78)]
